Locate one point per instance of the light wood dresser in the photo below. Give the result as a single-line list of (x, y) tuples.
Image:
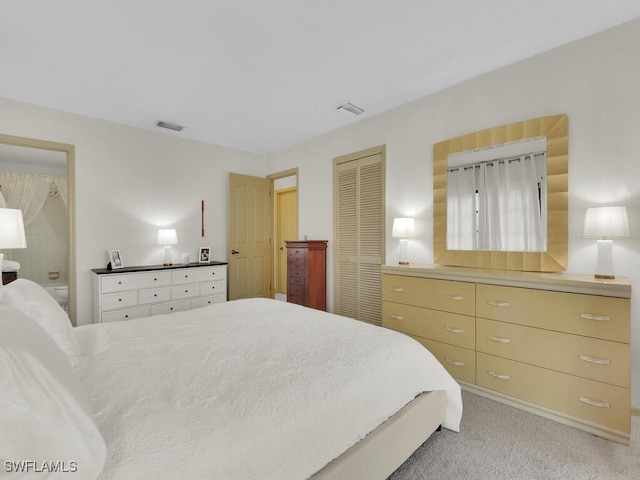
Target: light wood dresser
[(307, 273), (557, 345), (133, 292)]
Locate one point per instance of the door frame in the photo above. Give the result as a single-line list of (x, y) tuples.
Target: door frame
[(292, 172), (277, 194)]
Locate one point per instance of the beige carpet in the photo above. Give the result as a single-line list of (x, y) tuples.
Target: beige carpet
[(501, 442)]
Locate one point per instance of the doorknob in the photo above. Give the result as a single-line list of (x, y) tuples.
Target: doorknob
[(281, 248), (234, 252)]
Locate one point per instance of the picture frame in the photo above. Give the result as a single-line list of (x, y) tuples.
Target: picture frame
[(204, 255), (115, 259)]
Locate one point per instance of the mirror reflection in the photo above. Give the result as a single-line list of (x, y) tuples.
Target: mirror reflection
[(34, 180), (496, 197)]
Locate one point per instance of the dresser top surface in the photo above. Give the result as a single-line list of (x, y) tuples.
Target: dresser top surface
[(565, 282), (151, 268)]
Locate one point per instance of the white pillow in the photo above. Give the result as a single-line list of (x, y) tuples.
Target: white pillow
[(45, 416), (32, 300)]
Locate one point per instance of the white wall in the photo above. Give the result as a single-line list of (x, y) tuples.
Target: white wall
[(594, 81), (130, 182)]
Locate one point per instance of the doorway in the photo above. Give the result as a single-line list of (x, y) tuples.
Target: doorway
[(286, 228)]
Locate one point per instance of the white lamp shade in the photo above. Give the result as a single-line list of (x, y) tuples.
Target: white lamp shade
[(603, 222), (167, 236), (403, 228), (12, 229)]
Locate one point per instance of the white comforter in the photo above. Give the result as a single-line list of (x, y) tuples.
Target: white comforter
[(250, 389)]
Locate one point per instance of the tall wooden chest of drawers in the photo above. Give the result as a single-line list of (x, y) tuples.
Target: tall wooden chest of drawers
[(307, 273), (557, 345)]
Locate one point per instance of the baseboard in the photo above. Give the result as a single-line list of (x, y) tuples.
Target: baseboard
[(635, 411), (599, 430)]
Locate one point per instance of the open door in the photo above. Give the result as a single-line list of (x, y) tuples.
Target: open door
[(250, 228), (286, 229)]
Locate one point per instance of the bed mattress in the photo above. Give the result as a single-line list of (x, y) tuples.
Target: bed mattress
[(250, 389)]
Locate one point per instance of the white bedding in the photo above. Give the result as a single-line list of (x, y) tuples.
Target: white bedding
[(249, 389)]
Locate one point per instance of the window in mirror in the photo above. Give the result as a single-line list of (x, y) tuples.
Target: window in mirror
[(496, 197)]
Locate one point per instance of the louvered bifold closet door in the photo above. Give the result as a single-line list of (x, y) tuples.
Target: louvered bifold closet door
[(360, 238)]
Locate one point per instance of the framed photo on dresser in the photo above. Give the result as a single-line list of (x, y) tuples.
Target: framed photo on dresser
[(205, 255), (115, 259)]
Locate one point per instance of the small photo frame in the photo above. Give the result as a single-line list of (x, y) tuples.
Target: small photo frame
[(205, 255), (115, 259)]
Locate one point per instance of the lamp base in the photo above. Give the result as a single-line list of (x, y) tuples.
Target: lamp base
[(404, 252), (168, 261), (604, 265)]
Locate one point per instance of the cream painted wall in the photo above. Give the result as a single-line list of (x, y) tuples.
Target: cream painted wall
[(130, 182), (594, 81)]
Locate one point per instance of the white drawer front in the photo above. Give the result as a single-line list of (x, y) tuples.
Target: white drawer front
[(134, 281), (199, 274), (208, 300), (113, 301), (185, 291), (125, 314), (213, 288), (178, 306), (155, 295)]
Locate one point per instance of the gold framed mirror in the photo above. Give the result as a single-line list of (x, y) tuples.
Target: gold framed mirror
[(555, 129), (68, 153)]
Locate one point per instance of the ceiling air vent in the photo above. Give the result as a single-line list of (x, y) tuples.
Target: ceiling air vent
[(350, 107), (170, 126)]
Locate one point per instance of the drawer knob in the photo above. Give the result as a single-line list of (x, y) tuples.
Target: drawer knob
[(498, 339), (126, 316), (457, 363), (155, 294), (397, 317), (119, 299), (155, 279), (501, 376), (599, 318), (120, 282), (454, 330), (597, 361), (595, 403), (497, 303), (456, 298)]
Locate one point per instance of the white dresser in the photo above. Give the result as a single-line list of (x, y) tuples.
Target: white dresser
[(134, 292), (557, 345)]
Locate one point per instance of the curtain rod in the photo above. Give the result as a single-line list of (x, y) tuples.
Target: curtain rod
[(508, 159)]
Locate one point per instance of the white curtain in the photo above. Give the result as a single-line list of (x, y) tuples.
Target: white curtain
[(507, 199), (29, 191), (462, 224)]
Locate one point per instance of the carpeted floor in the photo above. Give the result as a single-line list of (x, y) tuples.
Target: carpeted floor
[(501, 442)]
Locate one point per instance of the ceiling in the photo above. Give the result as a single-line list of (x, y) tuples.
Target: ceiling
[(260, 75)]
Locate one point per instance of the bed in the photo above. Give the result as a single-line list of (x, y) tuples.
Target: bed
[(248, 389)]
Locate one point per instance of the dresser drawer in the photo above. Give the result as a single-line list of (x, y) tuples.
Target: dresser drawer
[(445, 327), (445, 295), (185, 291), (170, 307), (588, 315), (602, 360), (198, 274), (213, 288), (208, 300), (592, 401), (459, 362), (155, 295), (113, 301), (125, 314), (134, 281)]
